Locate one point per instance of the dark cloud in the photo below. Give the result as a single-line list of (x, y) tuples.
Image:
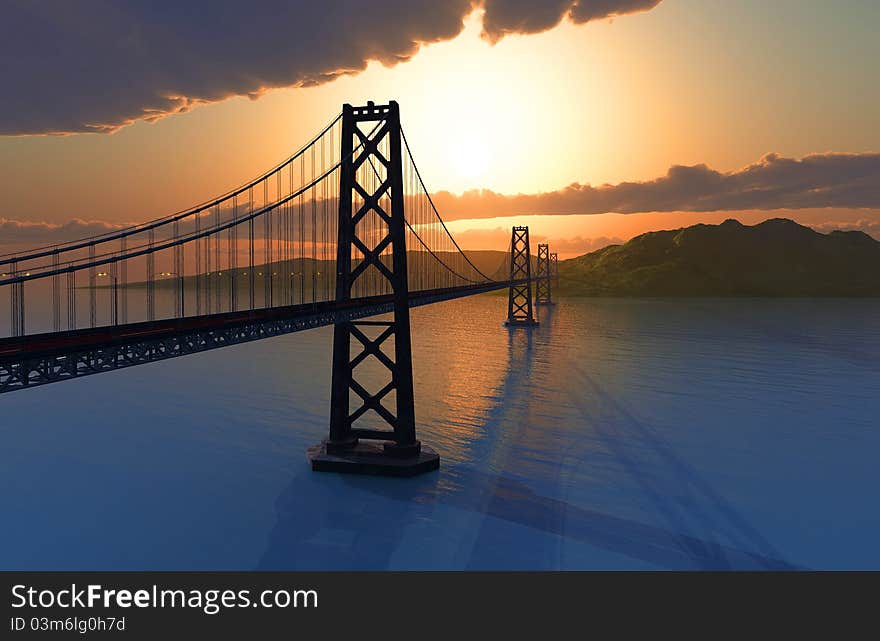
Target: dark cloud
[(817, 180), (505, 17), (98, 65), (28, 234), (14, 232)]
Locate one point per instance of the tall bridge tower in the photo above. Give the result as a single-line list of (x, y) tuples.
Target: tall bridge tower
[(349, 448), (543, 286), (365, 290), (519, 298)]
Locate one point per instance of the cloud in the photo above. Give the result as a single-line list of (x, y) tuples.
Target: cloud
[(27, 233), (867, 225), (14, 232), (96, 65), (828, 180), (579, 245), (495, 238), (23, 234), (499, 238), (506, 17), (817, 180)]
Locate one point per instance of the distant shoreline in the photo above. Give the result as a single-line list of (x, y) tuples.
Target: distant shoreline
[(777, 258)]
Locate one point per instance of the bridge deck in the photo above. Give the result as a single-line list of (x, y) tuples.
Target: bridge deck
[(39, 359)]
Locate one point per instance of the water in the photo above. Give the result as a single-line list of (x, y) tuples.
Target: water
[(621, 434)]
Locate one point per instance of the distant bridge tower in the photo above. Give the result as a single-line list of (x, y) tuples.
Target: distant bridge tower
[(394, 451), (519, 299), (554, 269), (543, 286)]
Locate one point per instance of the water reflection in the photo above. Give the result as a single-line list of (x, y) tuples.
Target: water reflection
[(687, 434), (463, 516)]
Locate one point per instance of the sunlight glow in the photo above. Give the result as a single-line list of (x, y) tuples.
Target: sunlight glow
[(468, 151)]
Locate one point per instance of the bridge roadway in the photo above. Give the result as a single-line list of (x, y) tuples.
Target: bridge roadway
[(38, 359)]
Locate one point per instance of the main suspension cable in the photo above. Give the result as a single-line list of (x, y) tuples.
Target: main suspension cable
[(80, 243), (433, 207)]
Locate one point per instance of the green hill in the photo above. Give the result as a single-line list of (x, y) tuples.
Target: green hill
[(775, 258)]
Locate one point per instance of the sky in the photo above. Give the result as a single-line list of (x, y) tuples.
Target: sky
[(591, 121)]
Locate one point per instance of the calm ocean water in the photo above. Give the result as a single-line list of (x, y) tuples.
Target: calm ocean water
[(620, 434)]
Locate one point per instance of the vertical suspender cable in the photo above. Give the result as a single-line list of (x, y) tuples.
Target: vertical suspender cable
[(198, 245), (251, 253), (178, 289), (218, 238), (93, 309), (151, 279), (181, 278), (17, 307), (233, 260), (288, 238), (71, 299), (314, 231), (323, 271), (123, 276), (302, 231), (267, 248), (56, 294), (209, 274), (230, 271)]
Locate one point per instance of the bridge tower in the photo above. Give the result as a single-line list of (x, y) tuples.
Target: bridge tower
[(554, 269), (394, 451), (519, 299), (543, 286)]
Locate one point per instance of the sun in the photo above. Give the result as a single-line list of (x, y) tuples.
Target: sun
[(469, 153)]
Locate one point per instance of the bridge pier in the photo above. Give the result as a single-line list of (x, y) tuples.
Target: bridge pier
[(351, 449), (519, 299)]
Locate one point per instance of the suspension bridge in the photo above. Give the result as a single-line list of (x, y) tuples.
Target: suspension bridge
[(342, 231)]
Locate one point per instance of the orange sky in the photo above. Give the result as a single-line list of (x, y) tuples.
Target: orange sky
[(688, 82)]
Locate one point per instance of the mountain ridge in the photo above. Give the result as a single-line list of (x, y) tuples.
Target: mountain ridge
[(777, 257)]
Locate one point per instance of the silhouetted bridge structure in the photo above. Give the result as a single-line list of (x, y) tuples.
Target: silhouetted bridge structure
[(342, 231)]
